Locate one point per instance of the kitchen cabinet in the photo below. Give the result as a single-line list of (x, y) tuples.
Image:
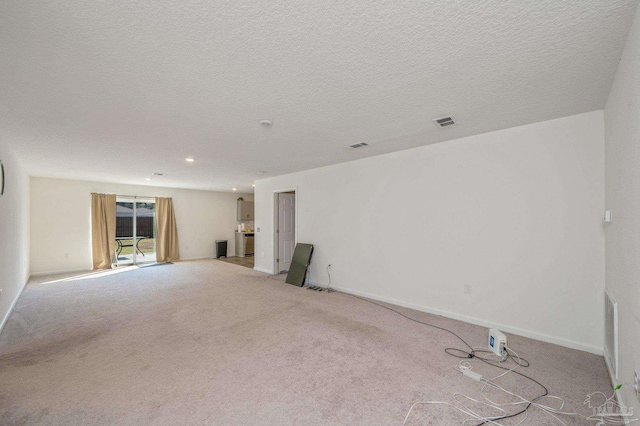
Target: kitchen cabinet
[(245, 210)]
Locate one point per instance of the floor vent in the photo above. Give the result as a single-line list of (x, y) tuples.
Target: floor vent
[(444, 121), (611, 334), (358, 145)]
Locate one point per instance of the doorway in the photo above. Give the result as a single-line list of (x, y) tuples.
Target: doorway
[(135, 231), (285, 229)]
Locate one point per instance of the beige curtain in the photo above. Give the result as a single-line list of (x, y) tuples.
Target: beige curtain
[(103, 230), (166, 232)]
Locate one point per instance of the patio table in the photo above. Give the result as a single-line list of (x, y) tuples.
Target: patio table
[(120, 245)]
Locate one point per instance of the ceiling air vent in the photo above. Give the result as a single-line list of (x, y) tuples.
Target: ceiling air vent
[(358, 145), (444, 121)]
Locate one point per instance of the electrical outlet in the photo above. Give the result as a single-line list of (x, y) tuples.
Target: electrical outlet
[(467, 288), (636, 381)]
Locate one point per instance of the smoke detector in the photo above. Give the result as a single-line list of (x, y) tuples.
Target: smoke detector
[(444, 121), (358, 145)]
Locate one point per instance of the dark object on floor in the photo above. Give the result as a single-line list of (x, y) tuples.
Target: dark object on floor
[(315, 287), (221, 248), (299, 264)]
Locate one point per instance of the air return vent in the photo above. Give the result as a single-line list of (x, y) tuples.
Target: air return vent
[(611, 333), (358, 145), (444, 121)]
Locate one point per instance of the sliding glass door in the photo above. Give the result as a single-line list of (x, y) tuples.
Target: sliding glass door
[(135, 230), (124, 232), (145, 212)]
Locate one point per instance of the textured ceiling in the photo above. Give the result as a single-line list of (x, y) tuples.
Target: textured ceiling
[(116, 90)]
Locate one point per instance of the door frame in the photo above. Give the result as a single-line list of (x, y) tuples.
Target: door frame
[(276, 223)]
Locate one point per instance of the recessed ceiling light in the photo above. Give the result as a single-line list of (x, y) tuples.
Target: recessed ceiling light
[(253, 185), (147, 179), (233, 189), (266, 123), (189, 159)]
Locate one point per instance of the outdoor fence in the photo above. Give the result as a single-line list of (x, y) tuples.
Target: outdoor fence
[(144, 224)]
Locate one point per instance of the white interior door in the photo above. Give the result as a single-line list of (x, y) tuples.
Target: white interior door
[(286, 229)]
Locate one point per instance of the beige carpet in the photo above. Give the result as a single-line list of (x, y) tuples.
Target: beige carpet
[(213, 343)]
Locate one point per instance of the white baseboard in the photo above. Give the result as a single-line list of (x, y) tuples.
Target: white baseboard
[(13, 304), (266, 271), (503, 327)]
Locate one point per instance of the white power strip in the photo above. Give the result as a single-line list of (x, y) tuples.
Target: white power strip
[(497, 341), (472, 374)]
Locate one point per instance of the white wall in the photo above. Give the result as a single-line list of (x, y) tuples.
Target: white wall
[(14, 231), (516, 213), (61, 221), (622, 152)]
